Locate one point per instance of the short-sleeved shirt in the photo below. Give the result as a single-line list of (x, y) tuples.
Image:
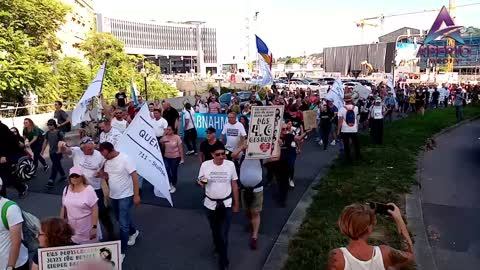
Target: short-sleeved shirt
[(251, 174), (219, 185), (121, 99), (53, 137), (343, 114), (61, 116), (90, 165), (119, 179), (207, 148), (119, 125), (14, 217), (30, 134), (112, 136), (171, 115), (159, 126), (190, 116), (79, 213), (172, 146), (233, 133), (214, 107)]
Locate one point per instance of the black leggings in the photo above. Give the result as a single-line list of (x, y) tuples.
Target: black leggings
[(36, 149)]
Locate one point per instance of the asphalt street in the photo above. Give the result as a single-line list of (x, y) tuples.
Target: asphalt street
[(451, 198), (179, 237)]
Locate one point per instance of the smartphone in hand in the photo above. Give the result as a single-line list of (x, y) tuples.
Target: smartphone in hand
[(381, 208)]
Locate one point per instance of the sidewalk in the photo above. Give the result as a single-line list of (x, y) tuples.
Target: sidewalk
[(450, 194), (179, 238)]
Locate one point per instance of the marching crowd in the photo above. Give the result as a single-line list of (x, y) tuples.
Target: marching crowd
[(104, 181)]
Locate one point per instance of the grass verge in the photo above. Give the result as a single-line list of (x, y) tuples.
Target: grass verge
[(386, 172)]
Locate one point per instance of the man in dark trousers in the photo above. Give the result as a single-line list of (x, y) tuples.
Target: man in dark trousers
[(10, 152)]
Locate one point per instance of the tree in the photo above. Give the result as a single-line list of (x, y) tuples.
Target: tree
[(293, 60), (121, 68), (28, 44)]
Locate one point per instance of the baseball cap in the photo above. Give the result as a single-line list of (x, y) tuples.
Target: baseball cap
[(86, 140), (75, 170)]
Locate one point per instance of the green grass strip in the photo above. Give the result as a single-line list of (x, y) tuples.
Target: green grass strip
[(384, 175)]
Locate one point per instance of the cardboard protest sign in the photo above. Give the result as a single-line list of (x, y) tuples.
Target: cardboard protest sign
[(264, 131), (65, 258), (310, 120)]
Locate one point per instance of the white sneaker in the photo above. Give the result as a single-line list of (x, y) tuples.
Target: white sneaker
[(291, 183), (333, 143), (189, 153), (320, 142), (133, 238), (122, 257), (173, 189)]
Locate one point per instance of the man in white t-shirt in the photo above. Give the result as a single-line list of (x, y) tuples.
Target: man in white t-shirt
[(13, 254), (159, 124), (118, 122), (234, 132), (108, 133), (219, 178), (91, 163), (122, 177), (348, 118)]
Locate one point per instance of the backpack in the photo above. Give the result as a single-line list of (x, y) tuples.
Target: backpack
[(30, 227), (350, 118)]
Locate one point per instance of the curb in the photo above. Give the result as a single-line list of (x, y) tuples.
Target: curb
[(414, 212), (279, 253)]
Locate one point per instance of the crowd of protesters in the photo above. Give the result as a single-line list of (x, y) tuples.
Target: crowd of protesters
[(228, 179)]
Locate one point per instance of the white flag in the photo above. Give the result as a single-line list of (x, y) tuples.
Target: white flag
[(94, 89), (336, 93), (267, 78), (140, 144)]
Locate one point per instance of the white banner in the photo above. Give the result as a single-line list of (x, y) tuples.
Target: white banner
[(94, 89), (140, 144), (264, 131), (68, 257)]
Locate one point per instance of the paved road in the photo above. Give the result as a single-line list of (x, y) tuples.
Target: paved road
[(451, 198), (179, 237)]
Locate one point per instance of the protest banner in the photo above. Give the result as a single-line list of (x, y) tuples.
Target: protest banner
[(206, 120), (67, 257), (309, 120), (264, 131), (140, 144)]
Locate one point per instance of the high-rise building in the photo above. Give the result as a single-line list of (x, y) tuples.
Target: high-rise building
[(177, 47), (79, 22)]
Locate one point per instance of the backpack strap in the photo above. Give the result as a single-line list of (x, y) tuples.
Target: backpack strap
[(4, 213)]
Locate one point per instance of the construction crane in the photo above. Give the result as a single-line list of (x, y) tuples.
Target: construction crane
[(365, 21)]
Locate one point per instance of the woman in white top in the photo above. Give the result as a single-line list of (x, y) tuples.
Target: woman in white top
[(376, 115), (357, 223)]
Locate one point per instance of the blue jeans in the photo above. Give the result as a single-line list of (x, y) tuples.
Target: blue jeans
[(220, 220), (122, 209), (171, 165), (459, 112)]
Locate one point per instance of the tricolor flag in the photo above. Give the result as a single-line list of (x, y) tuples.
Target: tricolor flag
[(134, 91), (265, 62)]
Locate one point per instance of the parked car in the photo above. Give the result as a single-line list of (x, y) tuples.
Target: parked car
[(281, 84), (350, 84), (227, 98)]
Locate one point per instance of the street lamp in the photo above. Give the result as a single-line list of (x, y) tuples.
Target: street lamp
[(145, 73)]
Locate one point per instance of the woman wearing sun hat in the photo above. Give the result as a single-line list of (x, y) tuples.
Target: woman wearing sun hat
[(80, 208)]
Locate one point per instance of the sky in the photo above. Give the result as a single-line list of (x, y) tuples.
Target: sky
[(289, 28)]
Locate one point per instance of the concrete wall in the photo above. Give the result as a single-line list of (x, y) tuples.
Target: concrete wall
[(41, 119)]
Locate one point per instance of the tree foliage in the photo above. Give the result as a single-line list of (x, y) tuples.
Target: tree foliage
[(293, 60), (121, 68), (28, 44)]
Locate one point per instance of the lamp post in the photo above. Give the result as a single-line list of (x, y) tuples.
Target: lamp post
[(145, 75)]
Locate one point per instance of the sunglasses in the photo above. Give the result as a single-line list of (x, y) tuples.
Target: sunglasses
[(74, 175), (219, 154)]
